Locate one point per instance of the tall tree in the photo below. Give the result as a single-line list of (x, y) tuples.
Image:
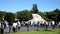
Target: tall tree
[(54, 15), (57, 11), (24, 15), (10, 17), (1, 16)]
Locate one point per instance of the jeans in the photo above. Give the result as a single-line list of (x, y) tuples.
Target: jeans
[(10, 28)]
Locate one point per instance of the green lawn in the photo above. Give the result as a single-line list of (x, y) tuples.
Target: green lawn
[(55, 31)]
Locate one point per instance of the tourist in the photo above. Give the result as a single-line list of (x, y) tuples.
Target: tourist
[(59, 24), (0, 25), (34, 23), (14, 26), (18, 24), (53, 24), (46, 25), (42, 23), (30, 23), (37, 25), (5, 24), (10, 27), (22, 23), (2, 28)]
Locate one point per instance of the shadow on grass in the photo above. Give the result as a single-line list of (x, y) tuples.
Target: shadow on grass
[(49, 30)]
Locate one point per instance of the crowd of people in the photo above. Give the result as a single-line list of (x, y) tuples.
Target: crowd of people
[(18, 24)]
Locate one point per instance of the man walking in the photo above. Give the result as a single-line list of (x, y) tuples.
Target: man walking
[(14, 27), (53, 24), (46, 25), (59, 24)]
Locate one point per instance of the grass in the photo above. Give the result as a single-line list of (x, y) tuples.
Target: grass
[(54, 31)]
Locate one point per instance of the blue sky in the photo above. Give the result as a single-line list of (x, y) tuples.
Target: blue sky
[(18, 5)]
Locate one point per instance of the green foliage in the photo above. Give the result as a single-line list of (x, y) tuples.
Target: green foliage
[(27, 15), (1, 16), (10, 17), (54, 15), (57, 11), (24, 15), (43, 15)]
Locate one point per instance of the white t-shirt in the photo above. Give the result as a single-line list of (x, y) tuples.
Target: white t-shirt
[(43, 22), (46, 23), (18, 24), (0, 25), (59, 23), (6, 23), (14, 25), (53, 22)]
